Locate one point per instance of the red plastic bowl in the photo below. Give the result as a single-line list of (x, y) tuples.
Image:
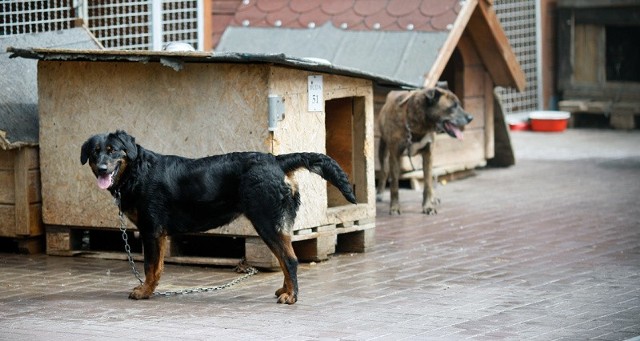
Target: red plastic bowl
[(549, 120)]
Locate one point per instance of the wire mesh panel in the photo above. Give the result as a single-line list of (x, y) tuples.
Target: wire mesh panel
[(180, 22), (120, 24), (128, 24), (518, 18), (19, 17)]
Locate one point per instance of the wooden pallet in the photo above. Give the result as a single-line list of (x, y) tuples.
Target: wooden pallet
[(621, 114), (311, 244)]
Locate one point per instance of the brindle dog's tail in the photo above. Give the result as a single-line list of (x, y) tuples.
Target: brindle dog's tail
[(322, 165)]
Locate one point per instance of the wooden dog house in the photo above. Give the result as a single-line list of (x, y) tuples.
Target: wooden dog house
[(420, 42), (598, 59), (196, 104)]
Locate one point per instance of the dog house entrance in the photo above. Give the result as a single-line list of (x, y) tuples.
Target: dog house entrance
[(345, 119)]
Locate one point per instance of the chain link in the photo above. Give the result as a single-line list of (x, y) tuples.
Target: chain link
[(250, 271), (242, 267), (127, 248)]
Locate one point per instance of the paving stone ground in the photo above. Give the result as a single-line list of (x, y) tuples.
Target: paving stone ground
[(546, 250)]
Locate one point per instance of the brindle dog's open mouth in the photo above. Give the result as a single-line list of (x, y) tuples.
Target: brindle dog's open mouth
[(452, 129)]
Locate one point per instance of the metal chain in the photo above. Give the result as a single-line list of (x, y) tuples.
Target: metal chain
[(250, 271), (409, 143), (127, 248), (241, 267)]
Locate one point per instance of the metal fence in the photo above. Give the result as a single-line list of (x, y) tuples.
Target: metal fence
[(518, 18), (19, 17), (117, 24)]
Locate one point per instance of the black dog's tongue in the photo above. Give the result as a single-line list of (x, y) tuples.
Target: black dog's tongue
[(104, 181)]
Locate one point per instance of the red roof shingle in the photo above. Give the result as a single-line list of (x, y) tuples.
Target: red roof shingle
[(386, 15)]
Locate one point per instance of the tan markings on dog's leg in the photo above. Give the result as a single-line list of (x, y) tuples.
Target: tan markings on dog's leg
[(153, 267), (289, 264), (428, 198)]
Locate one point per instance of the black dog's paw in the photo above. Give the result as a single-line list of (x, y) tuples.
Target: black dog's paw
[(141, 292), (286, 297)]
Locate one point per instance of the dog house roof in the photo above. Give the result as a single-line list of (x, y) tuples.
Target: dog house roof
[(408, 40), (176, 60), (18, 83)]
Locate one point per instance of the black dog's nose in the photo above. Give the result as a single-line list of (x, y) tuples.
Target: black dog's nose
[(102, 168), (469, 118)]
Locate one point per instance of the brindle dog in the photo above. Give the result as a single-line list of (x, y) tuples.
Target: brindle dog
[(408, 122)]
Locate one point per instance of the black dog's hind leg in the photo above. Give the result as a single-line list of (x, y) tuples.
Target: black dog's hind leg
[(283, 249), (154, 250)]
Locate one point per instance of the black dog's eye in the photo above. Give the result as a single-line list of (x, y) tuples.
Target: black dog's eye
[(109, 149)]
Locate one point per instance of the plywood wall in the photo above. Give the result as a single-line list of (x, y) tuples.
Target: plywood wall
[(202, 110)]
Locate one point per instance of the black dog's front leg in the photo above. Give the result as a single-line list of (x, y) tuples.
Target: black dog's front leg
[(154, 249)]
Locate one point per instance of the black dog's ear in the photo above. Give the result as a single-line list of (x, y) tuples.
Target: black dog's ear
[(129, 143), (432, 95), (87, 147)]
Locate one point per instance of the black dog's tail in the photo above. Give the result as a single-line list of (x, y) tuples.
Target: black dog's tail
[(322, 165)]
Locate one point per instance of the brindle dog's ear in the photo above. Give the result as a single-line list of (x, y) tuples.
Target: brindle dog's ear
[(443, 85), (87, 147), (129, 143), (432, 95)]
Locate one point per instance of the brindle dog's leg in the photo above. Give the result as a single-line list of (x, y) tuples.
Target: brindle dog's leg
[(154, 249), (384, 169), (394, 181), (429, 201)]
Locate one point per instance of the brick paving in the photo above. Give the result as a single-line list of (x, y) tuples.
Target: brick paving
[(546, 250)]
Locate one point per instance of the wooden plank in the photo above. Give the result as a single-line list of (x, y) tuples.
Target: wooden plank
[(21, 183), (6, 159), (588, 57), (7, 187), (504, 155), (339, 142), (608, 15), (599, 107), (564, 46), (622, 121), (258, 254), (489, 114), (7, 220), (496, 53), (359, 241)]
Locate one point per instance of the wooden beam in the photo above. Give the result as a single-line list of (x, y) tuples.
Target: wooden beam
[(494, 48), (21, 183), (450, 44)]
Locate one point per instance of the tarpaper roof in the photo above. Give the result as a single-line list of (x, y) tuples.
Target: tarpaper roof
[(409, 40), (176, 60)]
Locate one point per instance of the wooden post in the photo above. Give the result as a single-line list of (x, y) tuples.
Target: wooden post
[(21, 184)]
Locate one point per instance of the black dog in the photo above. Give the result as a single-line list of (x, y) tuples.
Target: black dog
[(165, 194)]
